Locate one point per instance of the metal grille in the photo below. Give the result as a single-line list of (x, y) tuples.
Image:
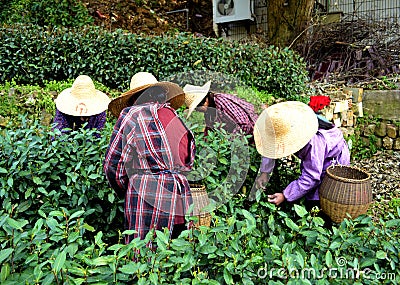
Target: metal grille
[(370, 10), (367, 10)]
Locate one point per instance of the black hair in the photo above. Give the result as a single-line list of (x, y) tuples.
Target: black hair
[(202, 102), (152, 94), (324, 125), (132, 99), (211, 102)]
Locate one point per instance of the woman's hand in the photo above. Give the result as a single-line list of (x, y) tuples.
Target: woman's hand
[(262, 180), (276, 198)]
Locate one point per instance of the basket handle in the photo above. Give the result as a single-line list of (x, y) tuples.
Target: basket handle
[(335, 163)]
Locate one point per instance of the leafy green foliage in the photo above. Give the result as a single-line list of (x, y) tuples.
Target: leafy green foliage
[(60, 223), (254, 246), (34, 101), (363, 148), (56, 13), (43, 171), (33, 54), (260, 99)]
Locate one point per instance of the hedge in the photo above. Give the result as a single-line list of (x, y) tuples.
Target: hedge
[(31, 54), (60, 223)]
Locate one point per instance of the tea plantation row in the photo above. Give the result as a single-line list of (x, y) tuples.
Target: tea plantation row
[(60, 223)]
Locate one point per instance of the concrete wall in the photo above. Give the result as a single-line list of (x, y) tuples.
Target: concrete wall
[(384, 107), (383, 104)]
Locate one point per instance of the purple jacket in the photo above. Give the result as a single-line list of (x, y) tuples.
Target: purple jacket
[(65, 122), (325, 147)]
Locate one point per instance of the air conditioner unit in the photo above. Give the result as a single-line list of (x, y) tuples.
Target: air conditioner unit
[(232, 10)]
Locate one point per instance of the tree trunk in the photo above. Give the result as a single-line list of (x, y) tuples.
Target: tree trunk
[(287, 20)]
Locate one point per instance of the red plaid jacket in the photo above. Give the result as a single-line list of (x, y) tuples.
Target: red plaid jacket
[(236, 113), (140, 166)]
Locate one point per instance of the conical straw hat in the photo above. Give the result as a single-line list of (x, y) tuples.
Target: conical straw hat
[(284, 128), (194, 95), (141, 81), (82, 99)]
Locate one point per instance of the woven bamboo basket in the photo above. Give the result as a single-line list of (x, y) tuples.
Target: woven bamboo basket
[(345, 190), (200, 200)]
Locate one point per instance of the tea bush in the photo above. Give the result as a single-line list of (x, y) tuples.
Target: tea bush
[(34, 101), (32, 54), (60, 223), (42, 171), (64, 13), (262, 245)]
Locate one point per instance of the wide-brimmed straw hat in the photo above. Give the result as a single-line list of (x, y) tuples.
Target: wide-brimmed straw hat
[(194, 95), (82, 99), (141, 81), (284, 128)]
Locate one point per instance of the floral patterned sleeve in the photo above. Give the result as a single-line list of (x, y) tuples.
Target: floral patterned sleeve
[(98, 122), (61, 122)]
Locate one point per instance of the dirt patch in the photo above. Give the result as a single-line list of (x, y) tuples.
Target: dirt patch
[(153, 17)]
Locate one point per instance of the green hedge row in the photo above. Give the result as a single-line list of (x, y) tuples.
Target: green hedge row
[(66, 13), (31, 54), (41, 172), (262, 245), (60, 223)]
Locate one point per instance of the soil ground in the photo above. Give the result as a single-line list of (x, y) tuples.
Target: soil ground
[(153, 17)]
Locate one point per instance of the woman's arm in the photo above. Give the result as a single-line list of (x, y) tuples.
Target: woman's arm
[(312, 157), (61, 122), (97, 122), (266, 168)]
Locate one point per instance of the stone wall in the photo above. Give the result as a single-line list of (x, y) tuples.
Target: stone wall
[(385, 132), (370, 114)]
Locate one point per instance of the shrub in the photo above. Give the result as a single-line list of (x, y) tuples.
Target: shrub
[(42, 171), (60, 223), (56, 13), (33, 54), (34, 101), (256, 246)]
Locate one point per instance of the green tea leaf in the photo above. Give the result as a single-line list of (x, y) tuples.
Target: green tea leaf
[(380, 254), (291, 225), (300, 210), (16, 224), (48, 280), (37, 180), (153, 278), (59, 262), (130, 268), (10, 182), (88, 227), (76, 214), (102, 260), (5, 272), (328, 259), (5, 253), (228, 277), (162, 237)]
